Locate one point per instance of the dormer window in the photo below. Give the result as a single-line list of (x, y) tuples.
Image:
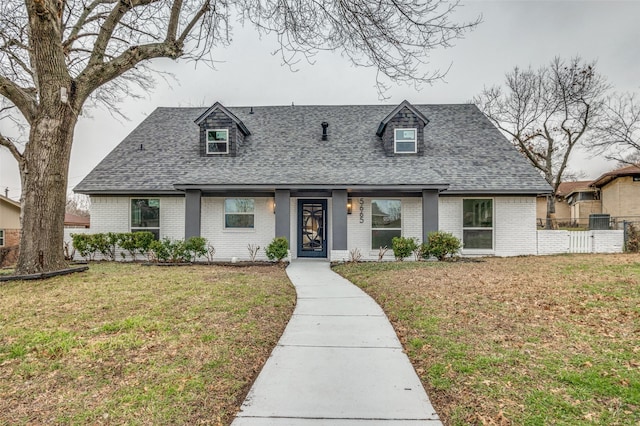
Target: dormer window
[(405, 141), (217, 141)]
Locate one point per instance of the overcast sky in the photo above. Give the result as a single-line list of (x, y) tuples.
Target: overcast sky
[(512, 33)]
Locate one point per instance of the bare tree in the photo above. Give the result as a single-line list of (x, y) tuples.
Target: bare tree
[(618, 132), (546, 113), (57, 55), (77, 204)]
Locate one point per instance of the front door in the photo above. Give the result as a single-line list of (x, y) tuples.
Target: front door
[(312, 228)]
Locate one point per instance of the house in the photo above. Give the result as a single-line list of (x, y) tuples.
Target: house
[(9, 229), (328, 178), (575, 201), (584, 200), (620, 193), (73, 221)]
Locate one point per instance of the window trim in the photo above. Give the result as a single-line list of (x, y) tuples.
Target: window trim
[(206, 141), (371, 228), (238, 228), (481, 228), (147, 228), (415, 140)]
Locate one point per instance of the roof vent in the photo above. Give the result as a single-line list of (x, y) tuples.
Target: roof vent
[(324, 130), (251, 112)]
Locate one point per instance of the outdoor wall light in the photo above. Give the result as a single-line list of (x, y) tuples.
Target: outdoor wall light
[(349, 206), (274, 206)]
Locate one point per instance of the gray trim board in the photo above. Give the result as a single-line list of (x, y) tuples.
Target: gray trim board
[(283, 214), (192, 213), (429, 213), (339, 219), (312, 187)]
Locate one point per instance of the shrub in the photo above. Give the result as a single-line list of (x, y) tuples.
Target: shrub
[(142, 242), (633, 239), (128, 242), (84, 244), (440, 245), (277, 249), (355, 255), (196, 247), (111, 240), (99, 244), (169, 251), (253, 251), (403, 247)]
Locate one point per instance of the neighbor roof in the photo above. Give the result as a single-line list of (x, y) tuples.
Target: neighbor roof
[(567, 188), (75, 220), (10, 201), (463, 151), (609, 176)]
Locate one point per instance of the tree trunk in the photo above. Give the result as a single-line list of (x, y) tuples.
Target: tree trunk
[(551, 212), (44, 186)]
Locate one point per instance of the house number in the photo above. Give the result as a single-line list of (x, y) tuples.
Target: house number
[(361, 201)]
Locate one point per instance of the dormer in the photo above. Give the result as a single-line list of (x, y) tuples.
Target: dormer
[(221, 132), (402, 131)]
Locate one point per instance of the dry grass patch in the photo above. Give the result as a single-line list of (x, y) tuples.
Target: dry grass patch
[(138, 345), (532, 340)]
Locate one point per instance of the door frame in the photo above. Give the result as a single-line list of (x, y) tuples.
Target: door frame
[(322, 253)]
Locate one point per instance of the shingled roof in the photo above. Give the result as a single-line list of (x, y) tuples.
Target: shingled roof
[(464, 152)]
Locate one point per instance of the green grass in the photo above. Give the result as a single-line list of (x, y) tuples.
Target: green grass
[(531, 341), (129, 344)]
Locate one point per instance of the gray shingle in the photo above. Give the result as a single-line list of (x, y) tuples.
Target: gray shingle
[(463, 149)]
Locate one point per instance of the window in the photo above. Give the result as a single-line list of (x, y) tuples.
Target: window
[(1, 237), (239, 213), (477, 224), (145, 215), (217, 141), (386, 222), (405, 141)]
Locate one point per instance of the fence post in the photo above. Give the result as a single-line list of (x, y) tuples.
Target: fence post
[(626, 234)]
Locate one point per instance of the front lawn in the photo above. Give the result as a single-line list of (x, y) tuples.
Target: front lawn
[(531, 340), (126, 343)]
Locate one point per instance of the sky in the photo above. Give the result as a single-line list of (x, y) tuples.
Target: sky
[(513, 33)]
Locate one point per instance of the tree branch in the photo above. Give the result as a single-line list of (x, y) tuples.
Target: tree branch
[(7, 143), (23, 99)]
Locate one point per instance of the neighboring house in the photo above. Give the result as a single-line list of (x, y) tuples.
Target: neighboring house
[(75, 221), (328, 178), (584, 201), (9, 229), (575, 201), (620, 193)]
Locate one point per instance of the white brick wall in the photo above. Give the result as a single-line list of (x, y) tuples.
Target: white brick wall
[(608, 241), (233, 242), (359, 234), (514, 224), (113, 214), (450, 216), (172, 211), (110, 214), (558, 242), (553, 242)]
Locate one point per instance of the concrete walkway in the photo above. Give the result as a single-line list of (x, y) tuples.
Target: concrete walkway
[(339, 362)]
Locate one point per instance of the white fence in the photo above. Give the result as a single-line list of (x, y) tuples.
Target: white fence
[(556, 242)]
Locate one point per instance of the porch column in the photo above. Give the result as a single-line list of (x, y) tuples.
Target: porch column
[(339, 219), (429, 212), (283, 214), (192, 213)]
